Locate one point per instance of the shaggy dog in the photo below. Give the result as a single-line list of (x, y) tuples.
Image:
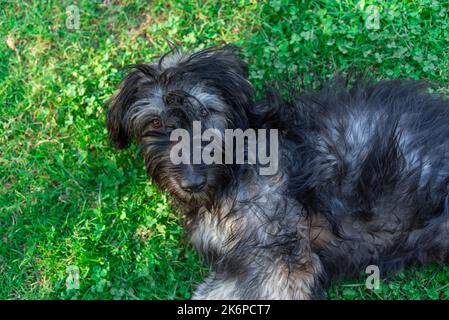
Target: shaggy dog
[(362, 179)]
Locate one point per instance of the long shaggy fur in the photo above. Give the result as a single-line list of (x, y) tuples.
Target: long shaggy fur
[(363, 178), (373, 161)]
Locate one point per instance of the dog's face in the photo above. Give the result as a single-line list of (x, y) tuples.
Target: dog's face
[(155, 99)]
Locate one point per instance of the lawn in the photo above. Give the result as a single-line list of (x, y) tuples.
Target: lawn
[(71, 205)]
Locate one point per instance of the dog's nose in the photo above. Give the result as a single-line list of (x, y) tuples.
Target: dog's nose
[(193, 183)]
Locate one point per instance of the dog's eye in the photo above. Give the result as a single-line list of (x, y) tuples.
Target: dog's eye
[(203, 112), (156, 123)]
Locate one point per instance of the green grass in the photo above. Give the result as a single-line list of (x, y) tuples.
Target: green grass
[(67, 198)]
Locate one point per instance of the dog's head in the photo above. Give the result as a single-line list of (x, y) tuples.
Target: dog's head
[(208, 87)]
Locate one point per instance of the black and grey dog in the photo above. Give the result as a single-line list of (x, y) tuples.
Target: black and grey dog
[(363, 174)]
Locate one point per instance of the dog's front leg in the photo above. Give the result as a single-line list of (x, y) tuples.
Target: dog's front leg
[(217, 287), (276, 281), (266, 263)]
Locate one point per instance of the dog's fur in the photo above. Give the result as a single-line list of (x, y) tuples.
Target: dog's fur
[(363, 178)]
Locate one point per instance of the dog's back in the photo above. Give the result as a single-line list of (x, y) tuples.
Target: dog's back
[(374, 162)]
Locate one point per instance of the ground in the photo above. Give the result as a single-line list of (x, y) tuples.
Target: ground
[(70, 204)]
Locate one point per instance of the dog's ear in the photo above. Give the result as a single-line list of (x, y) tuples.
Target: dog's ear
[(233, 78), (117, 134), (223, 69), (129, 90), (231, 54), (117, 106), (226, 58)]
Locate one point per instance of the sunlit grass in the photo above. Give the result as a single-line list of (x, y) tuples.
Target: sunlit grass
[(69, 199)]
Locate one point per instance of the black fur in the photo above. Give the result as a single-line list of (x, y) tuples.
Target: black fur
[(363, 178), (374, 161)]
